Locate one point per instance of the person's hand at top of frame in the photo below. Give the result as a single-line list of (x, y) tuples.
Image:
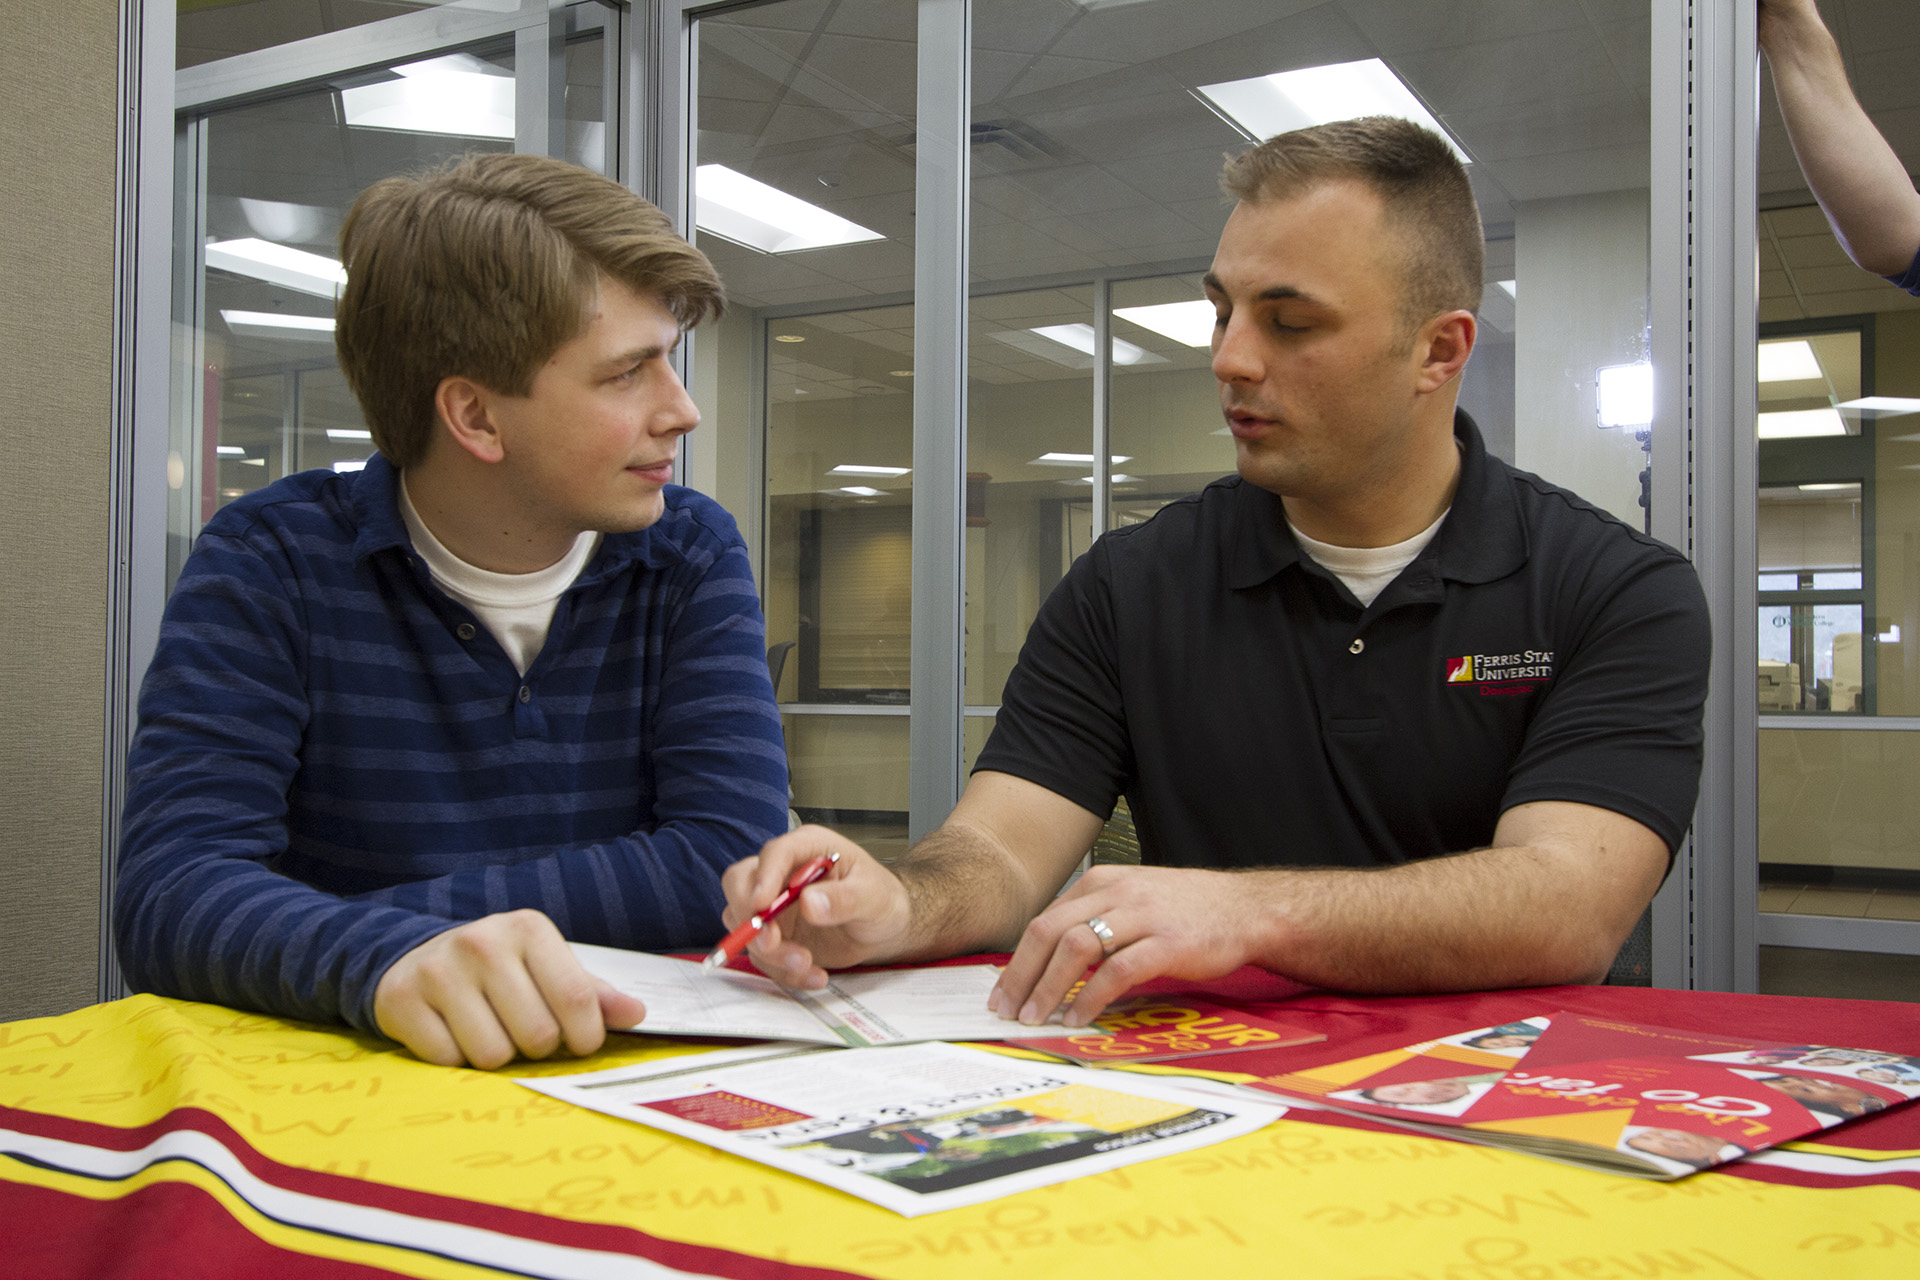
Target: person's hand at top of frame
[(1162, 921), (494, 987), (859, 912)]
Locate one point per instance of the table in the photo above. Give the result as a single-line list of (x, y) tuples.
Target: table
[(160, 1137)]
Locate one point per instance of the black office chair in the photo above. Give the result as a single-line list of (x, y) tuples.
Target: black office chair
[(776, 666), (777, 662), (1633, 966)]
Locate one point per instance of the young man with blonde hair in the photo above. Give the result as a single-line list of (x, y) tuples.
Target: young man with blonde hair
[(1390, 715), (410, 729)]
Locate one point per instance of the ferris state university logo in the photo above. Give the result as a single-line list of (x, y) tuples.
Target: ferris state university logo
[(1495, 675)]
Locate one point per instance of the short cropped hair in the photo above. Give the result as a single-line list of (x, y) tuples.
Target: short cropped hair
[(1420, 182), (482, 269)]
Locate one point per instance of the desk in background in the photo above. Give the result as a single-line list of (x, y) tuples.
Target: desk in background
[(154, 1137)]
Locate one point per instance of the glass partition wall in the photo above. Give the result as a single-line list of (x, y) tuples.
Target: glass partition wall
[(1051, 381), (1096, 134), (1838, 683)]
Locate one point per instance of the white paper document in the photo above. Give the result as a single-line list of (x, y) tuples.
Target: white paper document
[(858, 1010), (914, 1128)]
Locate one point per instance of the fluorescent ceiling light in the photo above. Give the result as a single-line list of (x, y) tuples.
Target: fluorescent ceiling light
[(230, 451), (277, 264), (1830, 488), (1789, 361), (1801, 422), (1511, 287), (348, 433), (281, 220), (349, 464), (1625, 394), (1880, 406), (1046, 348), (1188, 323), (1265, 105), (253, 462), (737, 208), (1080, 338), (1115, 479), (1076, 459), (447, 95), (860, 490), (860, 469), (273, 324)]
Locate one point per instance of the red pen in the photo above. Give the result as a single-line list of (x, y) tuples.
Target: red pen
[(736, 942)]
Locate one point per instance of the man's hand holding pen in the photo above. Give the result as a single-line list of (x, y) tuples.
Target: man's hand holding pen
[(856, 913)]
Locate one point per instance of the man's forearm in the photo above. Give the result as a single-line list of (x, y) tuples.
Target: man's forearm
[(966, 895), (1503, 917)]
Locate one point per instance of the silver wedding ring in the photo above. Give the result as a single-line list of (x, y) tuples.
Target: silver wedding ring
[(1102, 932)]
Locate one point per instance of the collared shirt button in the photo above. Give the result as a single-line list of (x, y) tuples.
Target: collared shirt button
[(464, 631), (526, 694), (1358, 646)]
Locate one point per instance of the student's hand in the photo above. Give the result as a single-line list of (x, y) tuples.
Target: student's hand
[(858, 913), (500, 985), (1166, 922)]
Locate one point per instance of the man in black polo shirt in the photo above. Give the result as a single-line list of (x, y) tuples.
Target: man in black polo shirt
[(1389, 714)]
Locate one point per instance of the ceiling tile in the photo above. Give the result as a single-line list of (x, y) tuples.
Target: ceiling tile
[(1395, 26)]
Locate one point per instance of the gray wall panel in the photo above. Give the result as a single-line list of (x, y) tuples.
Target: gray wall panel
[(59, 69)]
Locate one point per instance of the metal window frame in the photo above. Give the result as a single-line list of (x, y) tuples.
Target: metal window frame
[(285, 68), (943, 105), (142, 338), (1704, 101)]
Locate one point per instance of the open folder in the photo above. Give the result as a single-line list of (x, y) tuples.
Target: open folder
[(859, 1010)]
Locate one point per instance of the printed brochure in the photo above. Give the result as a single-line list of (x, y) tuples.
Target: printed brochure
[(1164, 1028), (858, 1010), (914, 1128), (1653, 1102)]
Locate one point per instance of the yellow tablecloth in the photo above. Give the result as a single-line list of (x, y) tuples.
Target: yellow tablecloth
[(162, 1131)]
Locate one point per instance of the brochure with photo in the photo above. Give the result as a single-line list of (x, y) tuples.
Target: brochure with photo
[(858, 1010), (1166, 1028), (1653, 1102), (913, 1128)]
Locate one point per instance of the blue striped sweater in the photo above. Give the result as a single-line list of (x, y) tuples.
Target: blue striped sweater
[(335, 761)]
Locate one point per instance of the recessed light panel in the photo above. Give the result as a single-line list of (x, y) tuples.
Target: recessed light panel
[(1880, 406), (1076, 459), (278, 264), (449, 95), (1799, 423), (738, 208), (862, 469), (1080, 338), (1789, 361), (274, 324), (1266, 105), (1188, 323)]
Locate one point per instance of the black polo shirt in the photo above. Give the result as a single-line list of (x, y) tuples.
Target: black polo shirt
[(1254, 714)]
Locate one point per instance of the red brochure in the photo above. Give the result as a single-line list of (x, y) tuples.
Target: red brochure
[(1167, 1027), (1654, 1102)]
